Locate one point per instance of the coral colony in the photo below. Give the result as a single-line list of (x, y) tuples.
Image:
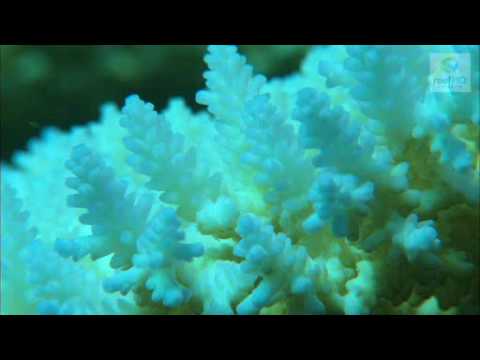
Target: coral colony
[(350, 187)]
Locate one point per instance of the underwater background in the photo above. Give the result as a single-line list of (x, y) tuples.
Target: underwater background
[(66, 83)]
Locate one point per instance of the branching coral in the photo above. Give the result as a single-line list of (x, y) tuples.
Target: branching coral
[(350, 187)]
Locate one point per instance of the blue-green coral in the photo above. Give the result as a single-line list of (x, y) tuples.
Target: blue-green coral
[(349, 187)]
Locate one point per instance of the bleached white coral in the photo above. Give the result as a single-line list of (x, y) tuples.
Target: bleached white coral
[(346, 188)]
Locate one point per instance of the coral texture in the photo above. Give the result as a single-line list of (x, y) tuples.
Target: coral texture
[(349, 187)]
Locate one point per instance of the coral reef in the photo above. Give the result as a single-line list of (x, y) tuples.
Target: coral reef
[(349, 187)]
